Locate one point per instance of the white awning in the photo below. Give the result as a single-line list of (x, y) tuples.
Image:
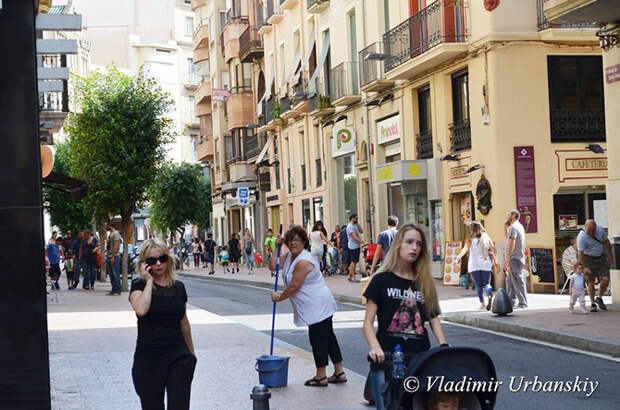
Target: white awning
[(311, 42), (319, 66), (264, 150)]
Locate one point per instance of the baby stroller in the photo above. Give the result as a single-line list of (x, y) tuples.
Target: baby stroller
[(369, 254), (445, 364)]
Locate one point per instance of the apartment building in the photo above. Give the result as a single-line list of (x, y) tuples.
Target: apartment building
[(512, 104), (229, 52), (156, 35)]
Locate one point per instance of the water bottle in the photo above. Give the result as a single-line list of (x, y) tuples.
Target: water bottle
[(399, 368)]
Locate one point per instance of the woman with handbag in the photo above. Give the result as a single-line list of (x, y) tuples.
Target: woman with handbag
[(481, 261)]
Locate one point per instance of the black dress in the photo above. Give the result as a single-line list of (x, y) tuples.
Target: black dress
[(234, 250), (162, 360)]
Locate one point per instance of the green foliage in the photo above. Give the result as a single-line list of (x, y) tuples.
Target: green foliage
[(325, 101), (350, 195), (64, 213), (117, 141), (180, 195), (117, 138)]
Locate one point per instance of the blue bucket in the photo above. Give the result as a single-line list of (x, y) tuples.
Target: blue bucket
[(272, 370)]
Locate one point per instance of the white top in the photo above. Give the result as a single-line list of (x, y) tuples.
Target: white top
[(478, 261), (315, 240), (314, 301), (577, 280)]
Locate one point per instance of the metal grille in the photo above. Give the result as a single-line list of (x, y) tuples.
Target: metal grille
[(577, 126), (424, 144), (460, 135)]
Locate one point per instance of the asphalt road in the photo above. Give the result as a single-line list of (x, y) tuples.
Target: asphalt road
[(512, 358)]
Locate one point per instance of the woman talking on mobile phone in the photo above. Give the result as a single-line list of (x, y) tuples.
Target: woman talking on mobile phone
[(164, 359)]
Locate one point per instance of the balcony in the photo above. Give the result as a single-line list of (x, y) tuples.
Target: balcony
[(433, 36), (460, 135), (205, 149), (544, 24), (265, 10), (203, 94), (319, 101), (577, 126), (274, 12), (317, 6), (236, 15), (285, 108), (201, 34), (579, 11), (372, 76), (54, 108), (299, 103), (424, 144), (191, 81), (190, 120), (240, 107), (198, 3), (345, 84), (288, 4), (250, 45)]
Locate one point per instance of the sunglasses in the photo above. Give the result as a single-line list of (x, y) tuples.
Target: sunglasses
[(152, 261)]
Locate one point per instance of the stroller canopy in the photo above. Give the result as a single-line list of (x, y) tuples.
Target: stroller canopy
[(437, 366)]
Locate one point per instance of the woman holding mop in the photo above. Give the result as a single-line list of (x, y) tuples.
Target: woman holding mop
[(313, 303)]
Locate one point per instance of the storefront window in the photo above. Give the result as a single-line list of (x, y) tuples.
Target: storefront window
[(437, 230), (571, 210), (318, 208), (305, 204)]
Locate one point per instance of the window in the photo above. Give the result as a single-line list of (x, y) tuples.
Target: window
[(460, 97), (303, 177), (229, 149), (349, 165), (277, 175), (424, 140), (327, 67), (318, 208), (211, 30), (194, 148), (576, 98), (225, 80), (281, 64), (319, 173), (192, 105), (289, 180), (305, 204), (247, 76), (189, 26), (222, 20)]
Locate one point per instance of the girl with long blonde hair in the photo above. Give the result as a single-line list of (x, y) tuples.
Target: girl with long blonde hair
[(402, 297)]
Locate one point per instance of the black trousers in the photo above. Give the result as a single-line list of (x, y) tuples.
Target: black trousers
[(324, 343), (172, 373)]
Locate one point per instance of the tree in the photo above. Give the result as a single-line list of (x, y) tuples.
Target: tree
[(117, 141), (180, 195), (65, 214)]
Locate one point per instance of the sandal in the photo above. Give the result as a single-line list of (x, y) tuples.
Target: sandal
[(314, 382), (337, 378)]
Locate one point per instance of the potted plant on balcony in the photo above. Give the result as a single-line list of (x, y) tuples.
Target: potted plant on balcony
[(325, 101)]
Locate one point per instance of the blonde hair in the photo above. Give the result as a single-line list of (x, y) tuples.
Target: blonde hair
[(158, 244), (421, 268)]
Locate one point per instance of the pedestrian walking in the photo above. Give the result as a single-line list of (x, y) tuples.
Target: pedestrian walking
[(67, 241), (569, 258), (313, 304), (196, 252), (70, 269), (354, 244), (224, 257), (344, 248), (335, 250), (270, 246), (577, 289), (52, 240), (384, 241), (164, 359), (114, 259), (317, 241), (594, 251), (76, 247), (248, 250), (515, 260), (481, 251), (209, 252), (203, 255), (53, 254), (89, 255), (234, 252), (402, 297)]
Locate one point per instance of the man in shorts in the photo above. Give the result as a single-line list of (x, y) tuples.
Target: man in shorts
[(209, 252), (594, 251), (354, 244)]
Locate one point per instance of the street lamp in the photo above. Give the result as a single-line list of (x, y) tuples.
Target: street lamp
[(376, 56), (449, 157), (474, 168), (597, 149), (300, 94)]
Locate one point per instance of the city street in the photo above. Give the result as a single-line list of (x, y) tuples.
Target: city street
[(250, 306)]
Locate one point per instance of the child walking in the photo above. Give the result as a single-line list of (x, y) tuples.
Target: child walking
[(224, 256), (577, 289), (70, 270)]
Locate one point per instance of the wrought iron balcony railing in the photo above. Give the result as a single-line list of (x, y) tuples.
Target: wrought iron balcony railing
[(441, 22), (424, 144), (54, 101), (371, 69), (460, 135), (344, 80), (318, 97), (577, 126), (250, 42), (544, 24), (234, 14)]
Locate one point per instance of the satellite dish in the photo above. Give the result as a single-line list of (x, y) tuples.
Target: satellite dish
[(47, 160)]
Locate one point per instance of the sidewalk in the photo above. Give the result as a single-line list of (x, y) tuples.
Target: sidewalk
[(92, 339), (546, 320)]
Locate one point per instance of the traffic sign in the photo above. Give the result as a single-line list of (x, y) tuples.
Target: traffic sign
[(244, 196)]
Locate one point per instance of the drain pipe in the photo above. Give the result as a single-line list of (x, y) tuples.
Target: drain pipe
[(371, 207)]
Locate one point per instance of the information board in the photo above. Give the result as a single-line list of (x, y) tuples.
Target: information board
[(542, 266), (452, 269)]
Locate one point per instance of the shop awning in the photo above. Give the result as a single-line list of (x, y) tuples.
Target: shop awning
[(319, 66), (264, 150), (75, 187), (401, 171)]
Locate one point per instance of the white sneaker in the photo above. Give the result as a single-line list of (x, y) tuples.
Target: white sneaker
[(571, 309), (583, 310)]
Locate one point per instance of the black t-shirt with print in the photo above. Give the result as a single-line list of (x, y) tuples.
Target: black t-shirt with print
[(159, 331), (400, 312)]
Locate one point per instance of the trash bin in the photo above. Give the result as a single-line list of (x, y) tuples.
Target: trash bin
[(615, 252)]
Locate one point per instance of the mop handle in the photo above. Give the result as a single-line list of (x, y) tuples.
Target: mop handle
[(273, 317)]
